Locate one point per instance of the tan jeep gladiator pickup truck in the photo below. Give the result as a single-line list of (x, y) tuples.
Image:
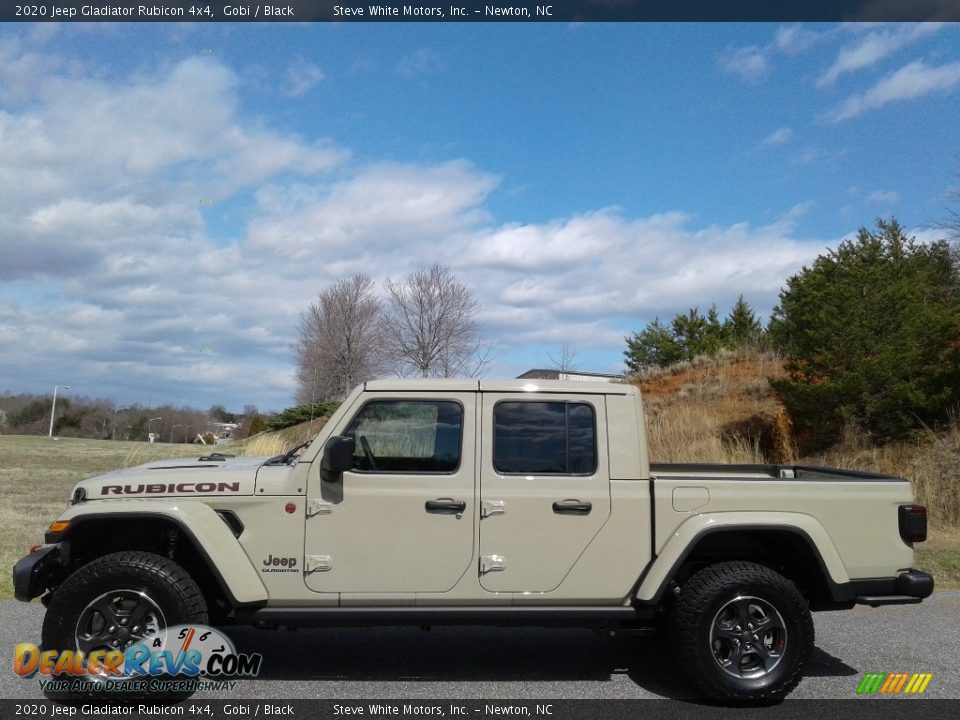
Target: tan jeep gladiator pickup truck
[(484, 502)]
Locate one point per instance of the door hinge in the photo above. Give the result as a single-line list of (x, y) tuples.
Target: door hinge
[(492, 563), (317, 563), (318, 507), (492, 507)]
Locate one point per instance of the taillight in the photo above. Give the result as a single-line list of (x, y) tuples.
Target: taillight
[(913, 523)]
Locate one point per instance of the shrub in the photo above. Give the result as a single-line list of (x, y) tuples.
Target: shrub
[(301, 414), (258, 424)]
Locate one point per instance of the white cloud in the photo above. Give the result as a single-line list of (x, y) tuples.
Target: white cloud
[(909, 82), (302, 77), (377, 208), (778, 137), (420, 62), (750, 63), (109, 165), (795, 39), (569, 273), (873, 47), (882, 197), (754, 62)]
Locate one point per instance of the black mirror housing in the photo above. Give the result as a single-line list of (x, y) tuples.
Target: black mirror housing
[(337, 457)]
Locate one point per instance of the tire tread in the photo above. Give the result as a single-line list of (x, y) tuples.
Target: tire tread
[(693, 600), (134, 567)]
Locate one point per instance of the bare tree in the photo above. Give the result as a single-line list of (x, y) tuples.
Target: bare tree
[(340, 341), (952, 223), (433, 328), (566, 361)]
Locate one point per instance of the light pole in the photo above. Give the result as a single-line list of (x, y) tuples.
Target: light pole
[(53, 408), (150, 424), (113, 435), (186, 431), (174, 428)]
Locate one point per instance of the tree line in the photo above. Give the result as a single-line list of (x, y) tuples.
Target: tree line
[(79, 416), (692, 334)]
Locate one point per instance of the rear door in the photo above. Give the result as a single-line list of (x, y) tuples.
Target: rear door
[(544, 487)]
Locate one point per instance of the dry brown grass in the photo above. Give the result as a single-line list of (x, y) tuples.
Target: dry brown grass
[(717, 409), (268, 444), (37, 474), (940, 555), (682, 433)]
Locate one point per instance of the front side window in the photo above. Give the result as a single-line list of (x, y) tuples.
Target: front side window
[(420, 436), (544, 438)]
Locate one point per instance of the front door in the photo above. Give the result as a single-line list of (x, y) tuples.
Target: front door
[(402, 519), (544, 487)]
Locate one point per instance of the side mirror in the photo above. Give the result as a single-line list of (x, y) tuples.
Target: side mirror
[(337, 457)]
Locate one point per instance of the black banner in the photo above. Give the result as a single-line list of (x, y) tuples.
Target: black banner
[(479, 11)]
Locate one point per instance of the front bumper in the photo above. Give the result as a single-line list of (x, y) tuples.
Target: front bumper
[(908, 587), (34, 574)]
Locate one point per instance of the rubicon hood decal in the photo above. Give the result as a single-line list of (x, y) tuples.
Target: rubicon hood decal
[(235, 476), (171, 488)]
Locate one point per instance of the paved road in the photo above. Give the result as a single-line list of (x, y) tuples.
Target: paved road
[(505, 663)]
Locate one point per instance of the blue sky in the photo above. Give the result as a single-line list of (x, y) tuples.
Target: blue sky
[(173, 196)]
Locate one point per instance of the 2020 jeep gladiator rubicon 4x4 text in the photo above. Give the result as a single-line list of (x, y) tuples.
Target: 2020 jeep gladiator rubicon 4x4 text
[(485, 502)]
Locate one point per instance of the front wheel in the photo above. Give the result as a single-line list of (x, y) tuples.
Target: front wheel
[(741, 632), (118, 600)]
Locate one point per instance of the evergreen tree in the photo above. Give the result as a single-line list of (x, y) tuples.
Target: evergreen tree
[(654, 345), (872, 336), (691, 334), (690, 331), (741, 327), (713, 339)]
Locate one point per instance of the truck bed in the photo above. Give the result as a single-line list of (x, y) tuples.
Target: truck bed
[(722, 471)]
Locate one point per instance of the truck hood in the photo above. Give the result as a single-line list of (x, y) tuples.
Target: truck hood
[(175, 477)]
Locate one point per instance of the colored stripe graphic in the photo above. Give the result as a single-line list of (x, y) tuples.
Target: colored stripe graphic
[(927, 677), (870, 683), (894, 683)]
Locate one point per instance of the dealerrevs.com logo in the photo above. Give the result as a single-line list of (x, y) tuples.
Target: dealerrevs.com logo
[(894, 683), (182, 658)]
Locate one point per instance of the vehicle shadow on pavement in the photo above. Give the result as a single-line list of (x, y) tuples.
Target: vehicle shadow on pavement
[(654, 671), (478, 654), (823, 664), (443, 653)]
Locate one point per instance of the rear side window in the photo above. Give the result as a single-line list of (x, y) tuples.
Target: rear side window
[(421, 436), (544, 438)]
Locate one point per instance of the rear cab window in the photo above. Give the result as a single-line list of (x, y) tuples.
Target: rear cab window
[(533, 437)]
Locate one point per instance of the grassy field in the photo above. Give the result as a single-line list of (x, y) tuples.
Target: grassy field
[(36, 475)]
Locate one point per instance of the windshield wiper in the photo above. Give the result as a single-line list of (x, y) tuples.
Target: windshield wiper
[(287, 456)]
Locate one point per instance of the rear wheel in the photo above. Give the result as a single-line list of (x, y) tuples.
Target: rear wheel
[(741, 631), (118, 600)]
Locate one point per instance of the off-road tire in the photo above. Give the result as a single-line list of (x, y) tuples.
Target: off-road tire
[(702, 632), (165, 583)]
